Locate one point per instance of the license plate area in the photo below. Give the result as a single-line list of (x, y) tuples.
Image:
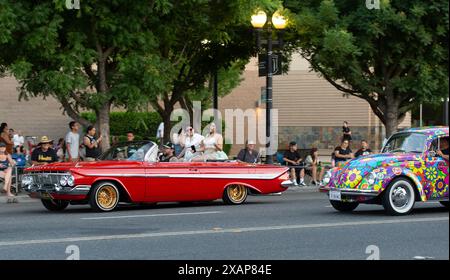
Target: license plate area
[(46, 195), (335, 195)]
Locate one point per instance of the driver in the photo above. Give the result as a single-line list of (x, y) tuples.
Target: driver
[(168, 153), (443, 149)]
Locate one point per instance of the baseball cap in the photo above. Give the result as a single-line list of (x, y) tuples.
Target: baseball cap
[(169, 145)]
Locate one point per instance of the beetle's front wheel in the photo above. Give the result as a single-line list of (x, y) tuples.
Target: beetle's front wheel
[(344, 206), (104, 197), (399, 198)]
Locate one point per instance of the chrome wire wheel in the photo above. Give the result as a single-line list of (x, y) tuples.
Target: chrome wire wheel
[(105, 197), (235, 194)]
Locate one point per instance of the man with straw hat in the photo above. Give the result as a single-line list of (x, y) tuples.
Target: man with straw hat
[(44, 154)]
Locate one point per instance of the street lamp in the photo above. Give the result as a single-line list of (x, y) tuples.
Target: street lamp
[(279, 22)]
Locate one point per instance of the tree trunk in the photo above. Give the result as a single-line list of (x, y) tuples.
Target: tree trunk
[(167, 127), (103, 124), (392, 115)]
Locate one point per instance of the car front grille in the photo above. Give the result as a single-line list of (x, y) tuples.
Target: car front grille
[(46, 178)]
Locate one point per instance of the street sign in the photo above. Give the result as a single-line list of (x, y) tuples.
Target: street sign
[(277, 59)]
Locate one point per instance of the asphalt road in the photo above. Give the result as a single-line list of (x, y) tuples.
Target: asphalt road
[(298, 225)]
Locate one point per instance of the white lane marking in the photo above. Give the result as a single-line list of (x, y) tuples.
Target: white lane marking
[(152, 215), (214, 231), (423, 258)]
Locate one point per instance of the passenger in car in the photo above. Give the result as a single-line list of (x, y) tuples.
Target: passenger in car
[(168, 153)]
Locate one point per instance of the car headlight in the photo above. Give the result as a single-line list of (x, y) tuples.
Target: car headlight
[(71, 180), (27, 180), (326, 179), (371, 178), (63, 181)]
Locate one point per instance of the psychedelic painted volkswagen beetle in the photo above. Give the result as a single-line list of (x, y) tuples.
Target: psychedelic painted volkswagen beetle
[(407, 170)]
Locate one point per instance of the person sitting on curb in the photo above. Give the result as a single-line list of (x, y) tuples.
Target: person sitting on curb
[(44, 154), (312, 166), (364, 150), (294, 161), (249, 154)]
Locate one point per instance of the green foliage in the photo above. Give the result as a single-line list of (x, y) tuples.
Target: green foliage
[(142, 124), (394, 57)]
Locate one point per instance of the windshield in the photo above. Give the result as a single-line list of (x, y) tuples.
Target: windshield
[(406, 143), (131, 151)]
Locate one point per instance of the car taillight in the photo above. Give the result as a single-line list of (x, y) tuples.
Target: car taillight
[(285, 176)]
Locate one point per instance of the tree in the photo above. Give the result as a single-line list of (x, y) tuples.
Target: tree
[(394, 57), (113, 53), (77, 56), (197, 38)]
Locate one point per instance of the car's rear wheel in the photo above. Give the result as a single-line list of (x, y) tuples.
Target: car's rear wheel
[(445, 203), (344, 206), (55, 205), (104, 197), (399, 198), (235, 194)]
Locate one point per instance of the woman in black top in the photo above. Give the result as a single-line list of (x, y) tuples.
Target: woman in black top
[(343, 153), (91, 144)]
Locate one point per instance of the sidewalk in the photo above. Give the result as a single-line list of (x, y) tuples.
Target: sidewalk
[(22, 197)]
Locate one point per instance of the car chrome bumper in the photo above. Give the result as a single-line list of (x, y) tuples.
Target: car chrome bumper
[(37, 190), (286, 184), (351, 192)]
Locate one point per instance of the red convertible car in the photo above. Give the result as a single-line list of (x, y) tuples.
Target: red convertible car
[(130, 173)]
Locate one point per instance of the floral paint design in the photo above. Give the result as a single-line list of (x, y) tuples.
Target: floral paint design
[(429, 174)]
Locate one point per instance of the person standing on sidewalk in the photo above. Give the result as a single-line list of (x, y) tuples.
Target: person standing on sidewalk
[(91, 144), (347, 132), (73, 143), (6, 169)]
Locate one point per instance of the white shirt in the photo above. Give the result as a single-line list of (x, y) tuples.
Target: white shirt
[(160, 131), (195, 140), (74, 140), (18, 140)]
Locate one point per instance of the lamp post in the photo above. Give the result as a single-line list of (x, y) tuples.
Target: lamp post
[(259, 21)]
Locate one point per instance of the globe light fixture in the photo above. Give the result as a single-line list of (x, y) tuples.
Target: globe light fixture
[(279, 21), (259, 19)]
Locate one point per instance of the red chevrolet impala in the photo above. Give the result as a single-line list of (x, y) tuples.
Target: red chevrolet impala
[(130, 173)]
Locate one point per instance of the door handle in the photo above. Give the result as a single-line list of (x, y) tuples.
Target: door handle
[(193, 169)]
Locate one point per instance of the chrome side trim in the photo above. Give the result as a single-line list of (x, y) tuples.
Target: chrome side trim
[(195, 176)]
